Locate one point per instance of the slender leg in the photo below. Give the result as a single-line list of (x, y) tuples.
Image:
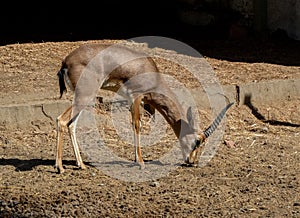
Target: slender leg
[(135, 113), (72, 132), (61, 123)]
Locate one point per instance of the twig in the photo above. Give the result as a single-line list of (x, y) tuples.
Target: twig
[(252, 143)]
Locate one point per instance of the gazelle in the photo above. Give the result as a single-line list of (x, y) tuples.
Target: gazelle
[(134, 76)]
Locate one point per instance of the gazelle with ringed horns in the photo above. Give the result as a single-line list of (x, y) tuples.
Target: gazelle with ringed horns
[(135, 76)]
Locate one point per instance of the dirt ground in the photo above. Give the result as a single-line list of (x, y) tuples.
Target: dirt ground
[(257, 176)]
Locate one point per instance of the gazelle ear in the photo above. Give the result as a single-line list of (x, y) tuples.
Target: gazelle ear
[(190, 117)]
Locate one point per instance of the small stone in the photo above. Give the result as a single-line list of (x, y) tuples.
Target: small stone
[(154, 183), (229, 143)]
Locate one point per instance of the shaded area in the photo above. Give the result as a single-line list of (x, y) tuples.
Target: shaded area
[(252, 50), (30, 164), (26, 165), (116, 19), (258, 115), (113, 19)]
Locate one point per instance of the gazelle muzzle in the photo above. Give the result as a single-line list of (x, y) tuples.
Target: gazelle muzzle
[(193, 157)]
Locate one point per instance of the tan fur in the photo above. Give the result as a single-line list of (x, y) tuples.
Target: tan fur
[(148, 88)]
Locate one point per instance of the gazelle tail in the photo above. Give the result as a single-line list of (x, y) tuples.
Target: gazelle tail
[(62, 85)]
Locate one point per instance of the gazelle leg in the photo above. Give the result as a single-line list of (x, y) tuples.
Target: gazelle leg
[(136, 124), (61, 123), (72, 132)]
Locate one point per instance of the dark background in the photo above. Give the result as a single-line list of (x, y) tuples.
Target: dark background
[(23, 22), (50, 21)]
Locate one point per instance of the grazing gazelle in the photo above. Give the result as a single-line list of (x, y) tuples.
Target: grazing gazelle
[(136, 77)]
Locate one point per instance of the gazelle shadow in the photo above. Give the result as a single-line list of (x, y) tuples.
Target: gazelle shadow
[(30, 164), (27, 165)]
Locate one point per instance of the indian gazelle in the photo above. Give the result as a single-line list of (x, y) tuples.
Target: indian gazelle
[(135, 76)]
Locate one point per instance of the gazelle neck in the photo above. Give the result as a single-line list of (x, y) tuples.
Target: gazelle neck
[(171, 110)]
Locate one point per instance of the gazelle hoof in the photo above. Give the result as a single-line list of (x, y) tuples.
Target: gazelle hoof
[(142, 165), (60, 170), (83, 167)]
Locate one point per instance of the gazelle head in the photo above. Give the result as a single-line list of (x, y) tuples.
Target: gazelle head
[(191, 142)]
